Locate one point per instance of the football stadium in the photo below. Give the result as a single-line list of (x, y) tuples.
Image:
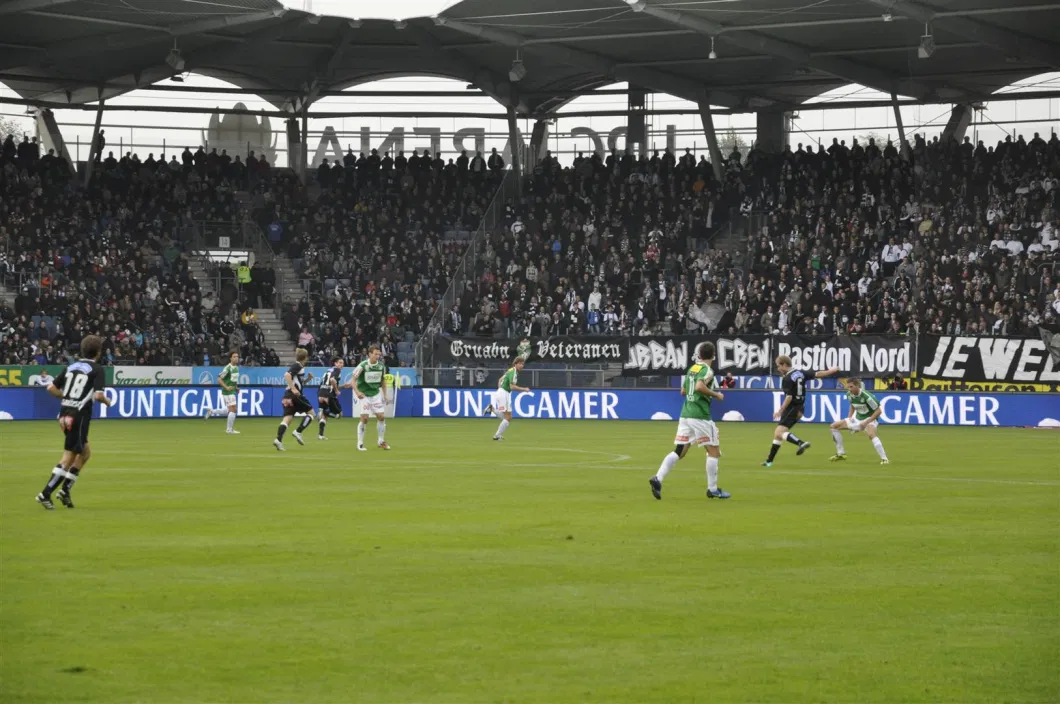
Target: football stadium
[(530, 351)]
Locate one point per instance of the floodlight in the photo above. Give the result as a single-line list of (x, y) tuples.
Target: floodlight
[(927, 47), (175, 60), (712, 54), (517, 72)]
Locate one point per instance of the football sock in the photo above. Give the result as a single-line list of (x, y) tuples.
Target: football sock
[(57, 477), (501, 428), (305, 423), (712, 473), (360, 432), (773, 450), (878, 444), (380, 430), (231, 421), (280, 431), (218, 412), (838, 437), (323, 424), (667, 465), (71, 477), (792, 438)]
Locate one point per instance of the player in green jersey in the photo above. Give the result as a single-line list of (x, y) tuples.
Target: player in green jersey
[(370, 388), (864, 412), (696, 424), (228, 380), (502, 397)]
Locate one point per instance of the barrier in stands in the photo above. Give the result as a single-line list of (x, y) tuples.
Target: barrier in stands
[(1018, 410), (273, 376)]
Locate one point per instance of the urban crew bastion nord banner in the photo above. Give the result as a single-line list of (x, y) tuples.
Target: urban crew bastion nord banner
[(862, 355)]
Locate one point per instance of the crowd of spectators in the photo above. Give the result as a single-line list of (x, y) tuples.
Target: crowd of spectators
[(110, 258), (937, 237), (376, 241), (941, 237)]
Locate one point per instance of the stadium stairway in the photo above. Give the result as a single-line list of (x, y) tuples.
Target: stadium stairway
[(275, 336)]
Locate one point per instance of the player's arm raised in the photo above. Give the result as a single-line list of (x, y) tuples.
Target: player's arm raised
[(831, 371)]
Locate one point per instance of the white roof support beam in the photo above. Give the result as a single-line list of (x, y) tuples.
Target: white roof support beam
[(497, 87), (656, 80), (324, 70), (1012, 44), (12, 6), (128, 40), (762, 43)]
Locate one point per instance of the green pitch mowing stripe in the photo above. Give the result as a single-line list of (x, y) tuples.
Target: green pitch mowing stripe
[(202, 567)]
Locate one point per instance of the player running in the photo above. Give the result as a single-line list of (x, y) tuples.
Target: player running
[(865, 411), (369, 386), (294, 401), (790, 412), (228, 379), (695, 424), (501, 405), (79, 386), (328, 395)]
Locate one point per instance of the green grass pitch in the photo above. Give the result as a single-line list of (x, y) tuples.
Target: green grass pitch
[(200, 567)]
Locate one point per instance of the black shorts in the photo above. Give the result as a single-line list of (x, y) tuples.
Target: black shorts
[(330, 404), (791, 416), (75, 430), (293, 404)]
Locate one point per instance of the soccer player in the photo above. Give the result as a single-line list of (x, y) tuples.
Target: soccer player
[(228, 379), (369, 386), (501, 405), (790, 412), (328, 395), (78, 386), (294, 401), (695, 424), (864, 412)]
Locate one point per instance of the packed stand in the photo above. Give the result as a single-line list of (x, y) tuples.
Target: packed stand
[(613, 246), (946, 238), (943, 238), (375, 241), (110, 259)]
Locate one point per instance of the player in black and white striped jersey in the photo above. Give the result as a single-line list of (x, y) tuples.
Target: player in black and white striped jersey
[(78, 387)]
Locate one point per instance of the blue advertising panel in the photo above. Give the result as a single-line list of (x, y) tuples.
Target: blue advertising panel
[(919, 408), (151, 402), (273, 376), (911, 408)]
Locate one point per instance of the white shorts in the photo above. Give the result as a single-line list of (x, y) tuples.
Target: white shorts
[(371, 405), (696, 432), (229, 400), (846, 424), (502, 401)]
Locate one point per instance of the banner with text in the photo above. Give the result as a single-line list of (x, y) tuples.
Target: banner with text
[(828, 406), (560, 349), (995, 360), (863, 355), (34, 375), (150, 376)]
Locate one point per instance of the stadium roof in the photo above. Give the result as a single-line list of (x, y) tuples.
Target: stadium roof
[(770, 54)]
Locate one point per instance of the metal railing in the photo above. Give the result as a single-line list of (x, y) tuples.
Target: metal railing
[(466, 269), (569, 377)]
